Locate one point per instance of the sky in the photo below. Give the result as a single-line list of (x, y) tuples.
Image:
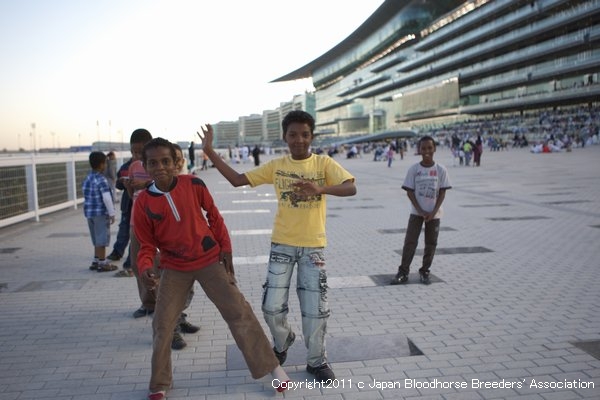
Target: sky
[(73, 72)]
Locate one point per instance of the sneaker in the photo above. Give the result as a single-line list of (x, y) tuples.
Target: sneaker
[(187, 327), (322, 373), (142, 312), (178, 343), (106, 267), (282, 356), (94, 267), (283, 386), (425, 278), (160, 395), (399, 279), (114, 256)]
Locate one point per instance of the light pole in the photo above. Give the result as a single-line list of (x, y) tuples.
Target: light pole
[(33, 136)]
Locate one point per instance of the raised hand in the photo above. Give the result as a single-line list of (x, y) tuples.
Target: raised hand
[(206, 137)]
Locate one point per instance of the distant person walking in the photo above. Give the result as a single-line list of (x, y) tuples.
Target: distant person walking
[(256, 155), (192, 156), (477, 151)]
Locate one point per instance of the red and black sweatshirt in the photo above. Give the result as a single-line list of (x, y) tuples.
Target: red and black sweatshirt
[(174, 223)]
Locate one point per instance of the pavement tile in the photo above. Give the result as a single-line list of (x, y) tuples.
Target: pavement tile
[(512, 312)]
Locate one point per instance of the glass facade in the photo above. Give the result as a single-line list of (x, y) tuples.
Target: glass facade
[(426, 62)]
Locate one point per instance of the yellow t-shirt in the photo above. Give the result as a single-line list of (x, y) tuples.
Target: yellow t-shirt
[(299, 223)]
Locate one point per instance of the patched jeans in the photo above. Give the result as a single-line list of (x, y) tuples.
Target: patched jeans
[(311, 287)]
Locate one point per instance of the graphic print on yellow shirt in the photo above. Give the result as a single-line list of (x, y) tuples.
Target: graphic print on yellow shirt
[(285, 186), (299, 222)]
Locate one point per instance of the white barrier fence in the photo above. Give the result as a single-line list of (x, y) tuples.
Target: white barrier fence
[(32, 185)]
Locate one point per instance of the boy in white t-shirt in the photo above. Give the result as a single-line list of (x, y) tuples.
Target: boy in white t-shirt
[(426, 183)]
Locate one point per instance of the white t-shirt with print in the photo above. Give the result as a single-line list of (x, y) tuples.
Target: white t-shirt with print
[(426, 182)]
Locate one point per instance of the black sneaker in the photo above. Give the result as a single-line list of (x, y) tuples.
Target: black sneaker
[(399, 279), (282, 356), (322, 373), (425, 278), (114, 256), (142, 312), (187, 327), (178, 343)]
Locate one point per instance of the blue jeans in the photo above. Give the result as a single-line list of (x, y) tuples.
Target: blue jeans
[(311, 287), (122, 234)]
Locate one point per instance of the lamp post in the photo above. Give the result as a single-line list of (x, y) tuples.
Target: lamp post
[(32, 133)]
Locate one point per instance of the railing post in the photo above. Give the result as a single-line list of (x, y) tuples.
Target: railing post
[(72, 181), (32, 188)]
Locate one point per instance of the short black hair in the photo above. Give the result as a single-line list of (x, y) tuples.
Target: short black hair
[(158, 142), (424, 139), (298, 116), (96, 159), (140, 136)]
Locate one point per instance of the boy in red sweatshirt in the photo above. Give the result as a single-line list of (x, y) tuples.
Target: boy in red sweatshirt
[(169, 216)]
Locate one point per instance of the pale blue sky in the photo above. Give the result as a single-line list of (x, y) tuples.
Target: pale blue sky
[(168, 66)]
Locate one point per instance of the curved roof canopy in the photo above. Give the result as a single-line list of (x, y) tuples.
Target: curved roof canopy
[(379, 136), (380, 17)]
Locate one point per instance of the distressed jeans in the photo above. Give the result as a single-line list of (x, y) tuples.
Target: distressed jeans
[(411, 239), (311, 287)]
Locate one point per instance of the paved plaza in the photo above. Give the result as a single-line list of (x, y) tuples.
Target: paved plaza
[(513, 310)]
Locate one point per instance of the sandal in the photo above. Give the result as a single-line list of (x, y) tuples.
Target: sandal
[(106, 268), (125, 273)]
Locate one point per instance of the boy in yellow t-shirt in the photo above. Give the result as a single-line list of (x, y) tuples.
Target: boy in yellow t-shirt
[(301, 181)]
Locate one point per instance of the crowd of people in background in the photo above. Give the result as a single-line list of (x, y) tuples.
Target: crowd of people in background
[(541, 132)]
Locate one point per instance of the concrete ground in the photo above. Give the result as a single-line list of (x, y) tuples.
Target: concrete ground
[(513, 310)]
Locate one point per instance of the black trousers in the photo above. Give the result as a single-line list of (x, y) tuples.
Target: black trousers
[(411, 239)]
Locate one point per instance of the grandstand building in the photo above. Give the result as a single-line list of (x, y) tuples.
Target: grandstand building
[(423, 64)]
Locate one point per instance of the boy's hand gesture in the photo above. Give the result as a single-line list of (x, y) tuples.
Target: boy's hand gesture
[(149, 279), (206, 137), (304, 189), (227, 260)]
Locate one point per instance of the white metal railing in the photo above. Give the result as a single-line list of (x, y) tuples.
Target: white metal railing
[(32, 185)]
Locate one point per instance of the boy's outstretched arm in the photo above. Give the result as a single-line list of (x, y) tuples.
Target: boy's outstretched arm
[(235, 178)]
